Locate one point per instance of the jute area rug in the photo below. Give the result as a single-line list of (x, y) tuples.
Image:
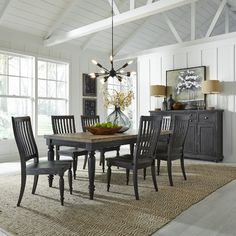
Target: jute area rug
[(113, 213)]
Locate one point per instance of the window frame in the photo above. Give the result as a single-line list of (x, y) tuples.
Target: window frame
[(37, 98), (33, 97)]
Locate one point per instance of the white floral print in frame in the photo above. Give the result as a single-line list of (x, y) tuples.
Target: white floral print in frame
[(185, 84)]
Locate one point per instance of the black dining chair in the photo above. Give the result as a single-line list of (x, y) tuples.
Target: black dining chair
[(91, 120), (66, 125), (165, 126), (28, 151), (143, 156), (173, 149)]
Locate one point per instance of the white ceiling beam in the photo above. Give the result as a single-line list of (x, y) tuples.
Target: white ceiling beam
[(132, 36), (172, 29), (3, 11), (115, 8), (193, 21), (60, 18), (131, 4), (123, 18), (226, 19), (216, 17), (171, 48)]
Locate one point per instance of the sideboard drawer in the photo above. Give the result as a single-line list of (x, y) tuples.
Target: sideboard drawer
[(207, 117)]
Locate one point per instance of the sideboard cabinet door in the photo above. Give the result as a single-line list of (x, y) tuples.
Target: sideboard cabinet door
[(190, 146), (207, 139)]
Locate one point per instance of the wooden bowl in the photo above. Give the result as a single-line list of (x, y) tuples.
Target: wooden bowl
[(102, 131), (178, 106)]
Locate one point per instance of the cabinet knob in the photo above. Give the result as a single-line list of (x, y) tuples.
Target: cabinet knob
[(205, 117)]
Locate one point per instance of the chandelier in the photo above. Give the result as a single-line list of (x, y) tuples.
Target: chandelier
[(113, 73)]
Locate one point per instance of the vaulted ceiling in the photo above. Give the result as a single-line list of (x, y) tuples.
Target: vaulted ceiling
[(52, 18)]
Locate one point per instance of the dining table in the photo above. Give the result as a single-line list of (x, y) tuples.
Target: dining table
[(91, 143)]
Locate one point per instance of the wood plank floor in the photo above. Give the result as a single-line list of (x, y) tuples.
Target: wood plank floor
[(213, 216)]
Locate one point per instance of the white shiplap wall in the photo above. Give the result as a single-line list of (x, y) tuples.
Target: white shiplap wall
[(219, 57), (80, 62)]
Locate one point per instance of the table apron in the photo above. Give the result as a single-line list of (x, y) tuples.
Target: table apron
[(90, 146)]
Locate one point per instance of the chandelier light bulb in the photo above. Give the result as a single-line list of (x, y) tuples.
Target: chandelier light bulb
[(133, 73), (102, 71), (94, 62), (130, 62), (92, 75), (111, 58)]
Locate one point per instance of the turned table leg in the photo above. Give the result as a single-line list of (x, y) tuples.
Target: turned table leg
[(91, 173), (50, 158)]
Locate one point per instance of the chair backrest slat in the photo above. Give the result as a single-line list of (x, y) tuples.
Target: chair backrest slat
[(166, 121), (180, 129), (63, 124), (24, 137), (88, 121), (149, 131)]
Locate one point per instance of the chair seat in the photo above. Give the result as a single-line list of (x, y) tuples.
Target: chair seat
[(48, 167), (126, 161), (73, 151), (162, 152)]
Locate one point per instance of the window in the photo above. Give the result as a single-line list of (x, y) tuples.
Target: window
[(52, 93), (24, 92), (127, 84), (16, 83)]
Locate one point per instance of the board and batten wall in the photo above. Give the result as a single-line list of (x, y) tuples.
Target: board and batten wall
[(219, 59)]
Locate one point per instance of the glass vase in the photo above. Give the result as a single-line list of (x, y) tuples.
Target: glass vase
[(119, 118)]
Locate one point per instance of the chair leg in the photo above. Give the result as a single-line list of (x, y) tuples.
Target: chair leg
[(61, 187), (182, 167), (22, 188), (75, 161), (118, 152), (57, 153), (102, 161), (169, 167), (154, 177), (85, 160), (36, 177), (158, 166), (144, 173), (70, 180), (135, 180), (127, 176), (108, 176)]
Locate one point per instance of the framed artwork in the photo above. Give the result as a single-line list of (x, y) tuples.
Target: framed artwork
[(185, 84), (89, 106), (89, 86)]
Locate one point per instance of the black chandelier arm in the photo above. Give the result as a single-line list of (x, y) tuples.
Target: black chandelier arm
[(128, 74), (99, 65), (106, 78), (122, 67)]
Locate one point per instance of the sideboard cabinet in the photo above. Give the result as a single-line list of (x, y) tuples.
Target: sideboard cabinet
[(205, 134)]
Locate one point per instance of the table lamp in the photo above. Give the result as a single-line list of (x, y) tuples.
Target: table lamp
[(211, 87), (158, 91)]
